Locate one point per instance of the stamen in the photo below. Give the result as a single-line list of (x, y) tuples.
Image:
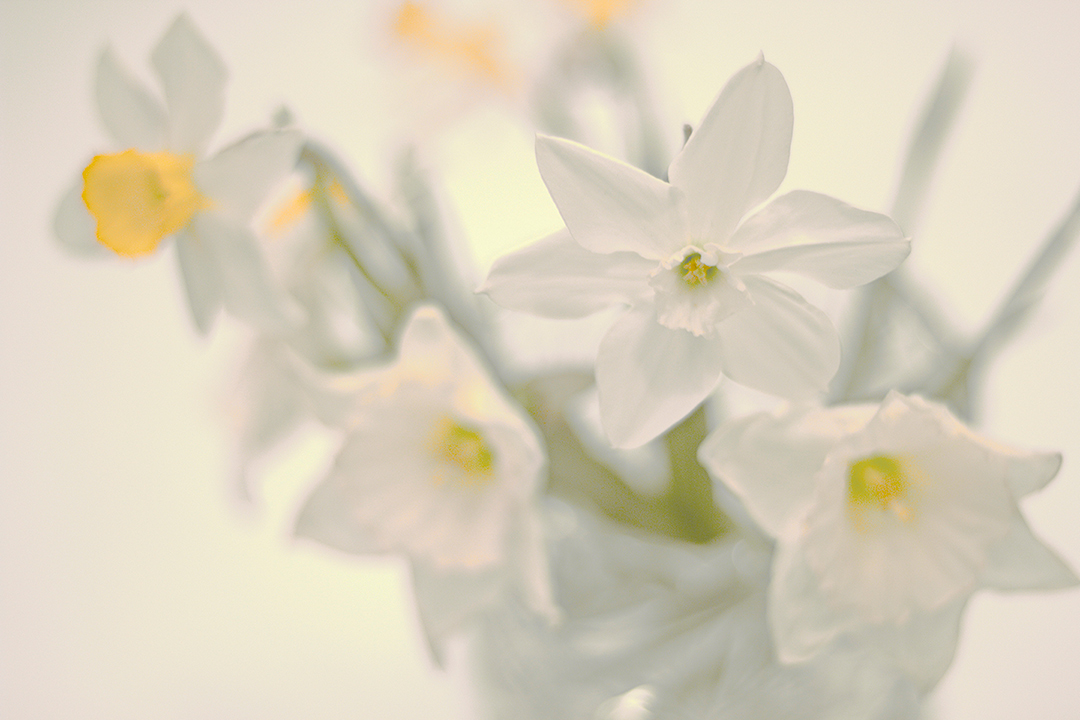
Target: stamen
[(466, 449), (879, 483), (694, 272)]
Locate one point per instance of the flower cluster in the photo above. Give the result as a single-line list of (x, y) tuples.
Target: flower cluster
[(812, 560)]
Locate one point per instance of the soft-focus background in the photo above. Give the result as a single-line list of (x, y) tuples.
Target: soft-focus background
[(133, 584)]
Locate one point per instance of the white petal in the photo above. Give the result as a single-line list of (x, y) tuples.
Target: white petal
[(246, 287), (923, 646), (1020, 561), (769, 461), (75, 227), (239, 177), (133, 116), (801, 618), (738, 156), (429, 347), (202, 280), (608, 205), (820, 237), (781, 344), (324, 519), (557, 278), (1027, 472), (194, 80), (649, 377), (449, 602)]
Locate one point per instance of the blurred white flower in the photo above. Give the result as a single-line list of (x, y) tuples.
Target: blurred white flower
[(694, 273), (158, 186), (656, 628), (440, 465), (887, 519)]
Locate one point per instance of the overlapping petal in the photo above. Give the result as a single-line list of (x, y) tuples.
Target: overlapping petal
[(202, 278), (193, 77), (75, 227), (649, 376), (133, 116), (610, 206), (246, 286), (787, 448), (1020, 561), (239, 177), (781, 344), (557, 278), (738, 156), (818, 236)]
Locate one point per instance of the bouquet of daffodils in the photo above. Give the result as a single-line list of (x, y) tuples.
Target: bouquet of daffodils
[(724, 515)]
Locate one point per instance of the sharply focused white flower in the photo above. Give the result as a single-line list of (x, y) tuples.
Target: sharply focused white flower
[(439, 465), (157, 186), (886, 520), (691, 268)]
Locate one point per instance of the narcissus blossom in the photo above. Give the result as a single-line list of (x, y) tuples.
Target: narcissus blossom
[(693, 271), (159, 185), (439, 465), (886, 519)]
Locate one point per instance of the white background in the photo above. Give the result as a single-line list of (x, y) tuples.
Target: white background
[(133, 585)]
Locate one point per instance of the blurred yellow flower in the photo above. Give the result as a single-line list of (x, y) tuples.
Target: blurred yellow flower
[(139, 198)]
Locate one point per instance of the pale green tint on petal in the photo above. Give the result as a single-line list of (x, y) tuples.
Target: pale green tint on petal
[(202, 279), (193, 76), (923, 645), (1021, 561), (448, 602), (1027, 472), (608, 205), (323, 518), (557, 278), (781, 344), (245, 282), (801, 618), (239, 177), (432, 349), (649, 377), (820, 237), (75, 227), (131, 115), (769, 461), (738, 156)]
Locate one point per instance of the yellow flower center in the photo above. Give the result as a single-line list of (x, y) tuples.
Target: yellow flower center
[(473, 49), (878, 483), (139, 198), (600, 13), (694, 272), (465, 448)]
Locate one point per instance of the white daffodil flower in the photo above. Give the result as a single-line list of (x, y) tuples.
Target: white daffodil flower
[(441, 466), (692, 270), (160, 185), (887, 518)]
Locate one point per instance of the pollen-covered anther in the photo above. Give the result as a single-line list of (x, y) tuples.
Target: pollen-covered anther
[(879, 483), (463, 448), (139, 198), (696, 271)]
